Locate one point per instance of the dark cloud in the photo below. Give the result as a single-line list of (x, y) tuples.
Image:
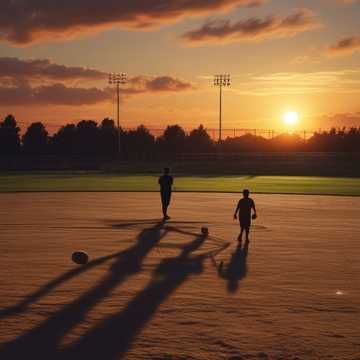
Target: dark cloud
[(14, 70), (26, 21), (253, 29), (60, 94), (345, 46), (56, 94), (40, 82), (140, 84), (44, 69)]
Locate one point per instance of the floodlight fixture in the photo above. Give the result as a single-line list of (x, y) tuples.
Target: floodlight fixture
[(118, 79), (221, 80)]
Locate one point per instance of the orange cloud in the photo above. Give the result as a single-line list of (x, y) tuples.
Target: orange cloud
[(26, 22), (56, 94), (253, 29), (141, 84), (346, 46), (44, 69), (21, 79), (349, 1)]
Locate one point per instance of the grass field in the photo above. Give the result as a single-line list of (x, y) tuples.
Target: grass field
[(39, 182)]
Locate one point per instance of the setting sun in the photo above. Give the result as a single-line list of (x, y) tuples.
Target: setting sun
[(291, 118)]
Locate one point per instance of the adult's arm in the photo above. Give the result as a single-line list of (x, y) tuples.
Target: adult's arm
[(236, 210)]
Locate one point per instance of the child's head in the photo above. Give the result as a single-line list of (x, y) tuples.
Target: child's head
[(246, 193)]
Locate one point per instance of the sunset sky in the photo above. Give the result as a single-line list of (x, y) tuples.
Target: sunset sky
[(283, 55)]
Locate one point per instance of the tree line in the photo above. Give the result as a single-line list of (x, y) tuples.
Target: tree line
[(89, 139)]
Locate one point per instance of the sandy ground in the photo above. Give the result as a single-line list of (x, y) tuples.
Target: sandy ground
[(155, 291)]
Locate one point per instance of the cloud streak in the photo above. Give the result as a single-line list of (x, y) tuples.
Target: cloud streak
[(56, 94), (252, 29), (44, 69), (298, 83), (344, 47), (25, 22), (41, 82), (349, 1)]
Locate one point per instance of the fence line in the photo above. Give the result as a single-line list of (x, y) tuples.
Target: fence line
[(236, 132), (214, 133)]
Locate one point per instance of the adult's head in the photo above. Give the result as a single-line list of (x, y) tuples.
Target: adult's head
[(246, 193), (166, 171)]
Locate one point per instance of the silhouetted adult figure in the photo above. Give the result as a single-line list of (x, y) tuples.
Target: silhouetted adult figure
[(244, 207), (166, 182)]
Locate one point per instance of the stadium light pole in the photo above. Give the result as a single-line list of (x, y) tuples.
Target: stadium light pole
[(221, 80), (118, 79)]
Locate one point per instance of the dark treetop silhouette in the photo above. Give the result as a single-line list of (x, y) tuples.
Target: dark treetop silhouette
[(87, 139)]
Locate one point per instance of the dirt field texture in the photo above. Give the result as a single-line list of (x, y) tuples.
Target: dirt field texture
[(165, 291)]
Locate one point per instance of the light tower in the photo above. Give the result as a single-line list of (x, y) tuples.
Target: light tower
[(118, 79), (221, 80)]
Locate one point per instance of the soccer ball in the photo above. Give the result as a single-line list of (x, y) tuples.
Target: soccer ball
[(80, 257), (205, 230)]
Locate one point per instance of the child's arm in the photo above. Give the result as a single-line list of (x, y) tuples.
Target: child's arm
[(253, 206), (236, 210)]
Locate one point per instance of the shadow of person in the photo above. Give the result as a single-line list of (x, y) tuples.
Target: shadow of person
[(112, 338), (43, 341), (236, 270), (125, 224), (24, 304)]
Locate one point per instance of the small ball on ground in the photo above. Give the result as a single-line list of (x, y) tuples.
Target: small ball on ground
[(204, 230), (80, 257)]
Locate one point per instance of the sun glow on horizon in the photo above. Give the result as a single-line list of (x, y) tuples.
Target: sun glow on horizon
[(291, 118)]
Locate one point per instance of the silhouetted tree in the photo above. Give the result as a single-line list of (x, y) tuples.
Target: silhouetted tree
[(352, 140), (9, 136), (245, 143), (108, 142), (87, 138), (287, 143), (64, 141), (35, 140), (172, 141), (199, 141), (139, 143)]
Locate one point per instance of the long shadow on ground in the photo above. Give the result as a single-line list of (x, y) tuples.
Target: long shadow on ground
[(236, 270), (23, 305), (115, 335), (42, 341)]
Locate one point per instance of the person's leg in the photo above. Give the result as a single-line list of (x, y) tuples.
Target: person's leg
[(168, 198), (241, 234), (163, 203), (164, 210), (165, 197), (247, 231)]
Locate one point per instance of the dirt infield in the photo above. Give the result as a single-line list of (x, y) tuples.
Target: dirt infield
[(163, 291)]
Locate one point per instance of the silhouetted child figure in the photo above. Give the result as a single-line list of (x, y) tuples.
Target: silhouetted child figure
[(244, 207), (165, 182)]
